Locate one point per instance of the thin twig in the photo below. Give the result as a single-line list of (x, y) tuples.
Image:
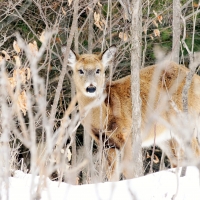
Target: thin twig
[(152, 155), (64, 66)]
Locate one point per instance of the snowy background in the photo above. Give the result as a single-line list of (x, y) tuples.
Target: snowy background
[(162, 185)]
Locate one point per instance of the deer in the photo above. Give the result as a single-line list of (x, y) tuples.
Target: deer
[(106, 108)]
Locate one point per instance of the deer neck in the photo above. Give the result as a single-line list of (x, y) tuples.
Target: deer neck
[(93, 111)]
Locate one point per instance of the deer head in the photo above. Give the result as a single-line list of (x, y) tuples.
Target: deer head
[(89, 71)]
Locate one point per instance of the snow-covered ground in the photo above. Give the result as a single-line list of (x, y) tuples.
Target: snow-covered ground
[(161, 185)]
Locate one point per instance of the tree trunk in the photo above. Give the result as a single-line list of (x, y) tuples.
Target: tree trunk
[(90, 28), (136, 39), (176, 26)]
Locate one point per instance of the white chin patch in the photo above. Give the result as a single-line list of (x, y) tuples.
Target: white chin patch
[(90, 94)]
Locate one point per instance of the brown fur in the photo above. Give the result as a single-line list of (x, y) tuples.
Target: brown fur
[(161, 97)]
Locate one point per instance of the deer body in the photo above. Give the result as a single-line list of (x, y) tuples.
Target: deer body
[(109, 122)]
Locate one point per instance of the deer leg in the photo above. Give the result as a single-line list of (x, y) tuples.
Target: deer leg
[(180, 153), (112, 169), (196, 147), (192, 151), (127, 160), (174, 152)]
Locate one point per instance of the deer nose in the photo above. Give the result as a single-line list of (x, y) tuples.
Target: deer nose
[(91, 89)]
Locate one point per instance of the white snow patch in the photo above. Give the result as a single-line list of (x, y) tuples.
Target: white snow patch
[(158, 186)]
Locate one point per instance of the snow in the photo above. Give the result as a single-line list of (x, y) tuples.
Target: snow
[(157, 186)]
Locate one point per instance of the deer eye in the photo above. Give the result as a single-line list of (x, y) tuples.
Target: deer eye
[(81, 71), (98, 71)]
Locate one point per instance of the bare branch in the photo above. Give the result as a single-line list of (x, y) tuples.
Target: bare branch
[(64, 67), (186, 4), (13, 17)]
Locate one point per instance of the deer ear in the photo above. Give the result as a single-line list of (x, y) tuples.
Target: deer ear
[(108, 55), (72, 58)]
